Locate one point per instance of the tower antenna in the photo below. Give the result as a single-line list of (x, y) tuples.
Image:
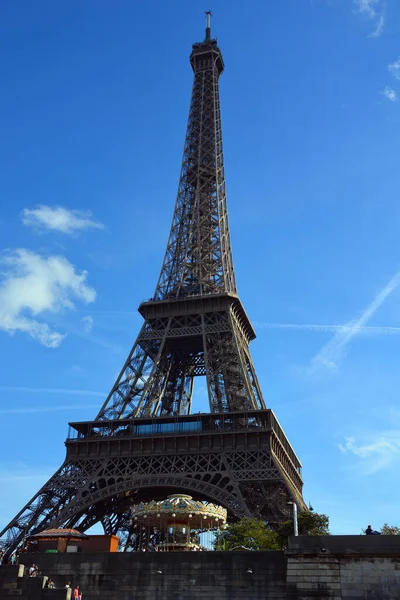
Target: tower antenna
[(208, 25)]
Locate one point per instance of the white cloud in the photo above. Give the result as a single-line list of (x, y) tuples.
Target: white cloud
[(18, 483), (394, 68), (378, 453), (331, 355), (379, 26), (62, 391), (87, 324), (57, 218), (24, 410), (390, 94), (15, 472), (374, 10), (367, 7), (365, 329), (33, 285)]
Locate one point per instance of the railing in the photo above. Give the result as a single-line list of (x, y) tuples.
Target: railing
[(189, 295), (213, 423)]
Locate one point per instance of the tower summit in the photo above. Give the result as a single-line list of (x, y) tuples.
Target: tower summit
[(145, 443)]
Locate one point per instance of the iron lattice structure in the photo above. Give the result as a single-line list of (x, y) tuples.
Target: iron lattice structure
[(144, 443), (195, 324)]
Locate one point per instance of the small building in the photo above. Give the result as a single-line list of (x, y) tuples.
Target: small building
[(70, 540)]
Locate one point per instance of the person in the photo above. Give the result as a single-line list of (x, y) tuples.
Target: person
[(77, 593), (33, 571), (67, 586), (50, 584), (370, 531)]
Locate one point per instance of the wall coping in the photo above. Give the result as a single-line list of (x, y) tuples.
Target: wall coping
[(347, 545)]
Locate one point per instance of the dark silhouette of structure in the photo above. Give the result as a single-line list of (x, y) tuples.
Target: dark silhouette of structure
[(144, 443)]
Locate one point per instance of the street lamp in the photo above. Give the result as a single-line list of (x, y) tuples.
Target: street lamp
[(295, 521)]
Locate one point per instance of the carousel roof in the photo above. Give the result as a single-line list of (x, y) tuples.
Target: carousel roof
[(179, 505)]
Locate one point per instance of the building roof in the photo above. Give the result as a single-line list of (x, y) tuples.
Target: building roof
[(59, 533)]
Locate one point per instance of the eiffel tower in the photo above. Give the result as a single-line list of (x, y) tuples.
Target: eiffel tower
[(145, 443)]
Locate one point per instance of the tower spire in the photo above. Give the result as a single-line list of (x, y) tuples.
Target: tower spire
[(208, 25)]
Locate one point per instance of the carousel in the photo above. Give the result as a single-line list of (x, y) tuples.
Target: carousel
[(176, 524)]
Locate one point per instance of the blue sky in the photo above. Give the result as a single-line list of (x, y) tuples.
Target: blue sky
[(93, 112)]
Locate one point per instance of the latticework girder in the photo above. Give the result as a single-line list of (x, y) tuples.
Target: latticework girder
[(242, 465), (198, 259)]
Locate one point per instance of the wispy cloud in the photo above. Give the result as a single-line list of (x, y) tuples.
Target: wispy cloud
[(19, 482), (87, 324), (378, 452), (374, 10), (58, 218), (62, 391), (379, 26), (331, 355), (45, 409), (21, 473), (390, 94), (35, 285), (367, 7), (394, 68), (364, 330), (118, 313)]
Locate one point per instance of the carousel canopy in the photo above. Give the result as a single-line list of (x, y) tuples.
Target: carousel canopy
[(179, 507)]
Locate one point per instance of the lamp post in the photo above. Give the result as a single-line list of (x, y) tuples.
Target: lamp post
[(295, 520)]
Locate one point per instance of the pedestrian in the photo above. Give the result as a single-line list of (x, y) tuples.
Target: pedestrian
[(77, 593), (67, 586)]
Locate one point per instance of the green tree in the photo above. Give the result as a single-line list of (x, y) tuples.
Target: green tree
[(247, 533), (309, 523), (390, 529)]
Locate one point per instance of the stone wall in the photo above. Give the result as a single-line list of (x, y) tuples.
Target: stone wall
[(169, 576), (14, 581), (336, 567), (344, 567)]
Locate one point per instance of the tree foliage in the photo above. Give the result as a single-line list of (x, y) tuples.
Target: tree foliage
[(309, 523), (387, 529), (254, 534)]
